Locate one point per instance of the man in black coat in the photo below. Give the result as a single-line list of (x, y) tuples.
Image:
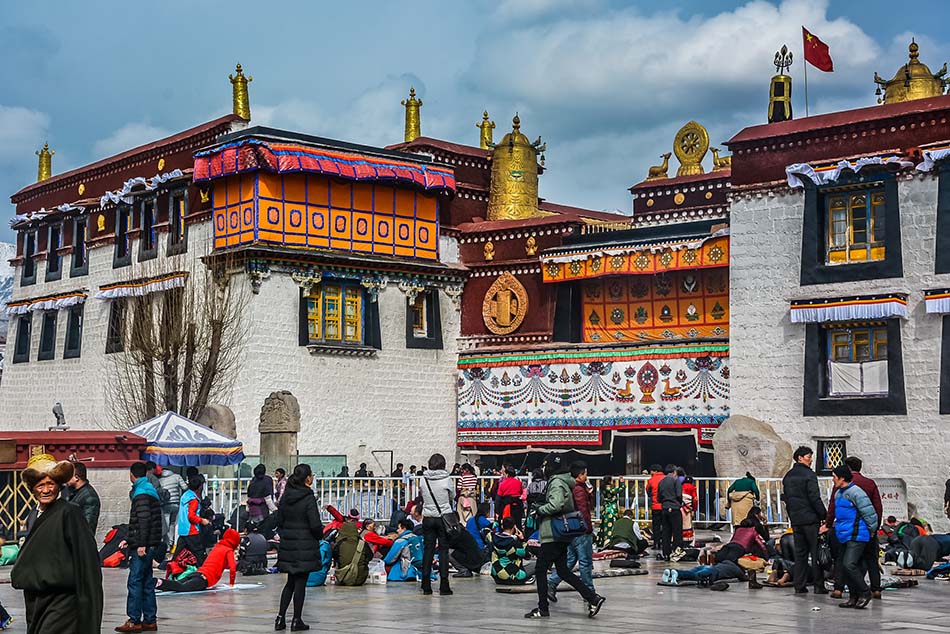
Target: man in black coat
[(805, 511), (146, 533)]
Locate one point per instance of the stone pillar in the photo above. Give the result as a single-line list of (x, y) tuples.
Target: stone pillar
[(280, 422)]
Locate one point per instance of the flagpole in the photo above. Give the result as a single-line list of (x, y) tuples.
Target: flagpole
[(805, 67)]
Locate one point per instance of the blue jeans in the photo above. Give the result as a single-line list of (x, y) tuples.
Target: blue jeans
[(580, 552), (140, 605), (724, 570)]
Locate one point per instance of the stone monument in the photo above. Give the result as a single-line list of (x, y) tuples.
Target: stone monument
[(280, 423), (746, 444), (219, 418)]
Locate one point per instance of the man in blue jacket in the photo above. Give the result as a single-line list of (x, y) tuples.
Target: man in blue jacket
[(855, 525)]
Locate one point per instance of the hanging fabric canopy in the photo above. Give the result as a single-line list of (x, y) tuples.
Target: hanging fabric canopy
[(938, 302), (810, 311), (173, 440)]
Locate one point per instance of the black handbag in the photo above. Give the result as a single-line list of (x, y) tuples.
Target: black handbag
[(566, 527), (825, 560), (450, 521)]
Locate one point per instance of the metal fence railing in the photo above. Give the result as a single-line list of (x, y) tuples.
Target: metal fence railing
[(376, 497)]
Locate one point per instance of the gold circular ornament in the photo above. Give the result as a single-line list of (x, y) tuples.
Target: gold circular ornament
[(690, 146), (101, 222), (505, 305), (679, 198), (161, 164), (82, 188), (649, 202), (708, 195)]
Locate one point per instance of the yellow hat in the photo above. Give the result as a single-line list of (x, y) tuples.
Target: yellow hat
[(43, 465)]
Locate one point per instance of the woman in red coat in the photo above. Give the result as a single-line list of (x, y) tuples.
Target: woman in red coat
[(690, 506)]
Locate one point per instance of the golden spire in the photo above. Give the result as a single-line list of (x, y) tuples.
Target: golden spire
[(45, 168), (780, 92), (242, 102), (413, 121), (486, 126), (912, 81), (514, 176)]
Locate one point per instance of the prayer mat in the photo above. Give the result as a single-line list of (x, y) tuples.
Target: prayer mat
[(619, 572), (625, 563), (219, 588), (910, 572), (610, 554), (679, 584)]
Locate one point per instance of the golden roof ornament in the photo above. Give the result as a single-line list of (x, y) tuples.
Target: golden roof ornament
[(912, 81), (413, 119), (659, 172), (780, 91), (720, 163), (485, 134), (239, 96), (690, 146), (45, 167), (514, 176)]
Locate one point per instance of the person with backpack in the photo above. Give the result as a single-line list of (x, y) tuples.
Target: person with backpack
[(558, 500), (405, 557), (299, 552), (581, 549), (353, 553), (534, 498)]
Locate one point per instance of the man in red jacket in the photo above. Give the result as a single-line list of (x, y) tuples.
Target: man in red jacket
[(211, 571), (581, 549), (656, 509), (872, 550)]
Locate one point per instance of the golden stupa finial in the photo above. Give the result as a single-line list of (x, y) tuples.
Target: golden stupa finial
[(912, 81), (485, 136), (780, 90), (513, 193), (45, 168), (413, 118), (239, 95)]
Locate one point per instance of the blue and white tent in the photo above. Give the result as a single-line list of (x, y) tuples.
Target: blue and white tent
[(173, 440)]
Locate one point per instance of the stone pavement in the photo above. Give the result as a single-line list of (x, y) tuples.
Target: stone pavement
[(635, 604)]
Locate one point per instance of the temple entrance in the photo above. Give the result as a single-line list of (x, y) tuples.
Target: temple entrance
[(639, 452)]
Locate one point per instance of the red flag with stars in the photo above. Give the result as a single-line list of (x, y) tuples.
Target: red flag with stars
[(816, 52)]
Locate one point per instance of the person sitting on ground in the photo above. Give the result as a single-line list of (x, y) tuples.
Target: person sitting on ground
[(758, 522), (466, 556), (888, 528), (210, 572), (415, 516), (625, 536), (252, 553), (404, 559), (925, 551), (509, 564), (352, 554), (319, 576), (379, 543), (479, 524)]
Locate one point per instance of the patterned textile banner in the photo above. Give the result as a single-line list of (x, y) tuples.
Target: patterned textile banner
[(570, 397), (639, 259)]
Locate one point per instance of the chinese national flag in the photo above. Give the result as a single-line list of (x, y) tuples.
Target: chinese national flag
[(816, 52)]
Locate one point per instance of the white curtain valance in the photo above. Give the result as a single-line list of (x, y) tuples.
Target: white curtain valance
[(142, 287), (848, 309), (56, 302), (937, 302), (820, 176), (931, 157), (125, 193)]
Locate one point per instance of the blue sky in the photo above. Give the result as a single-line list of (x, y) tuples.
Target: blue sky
[(607, 84)]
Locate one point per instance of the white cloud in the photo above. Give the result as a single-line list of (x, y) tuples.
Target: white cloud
[(127, 137), (525, 9), (22, 131)]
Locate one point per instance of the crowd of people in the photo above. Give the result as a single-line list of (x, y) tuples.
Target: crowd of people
[(535, 533)]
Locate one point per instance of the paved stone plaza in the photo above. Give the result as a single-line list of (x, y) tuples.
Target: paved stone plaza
[(635, 604)]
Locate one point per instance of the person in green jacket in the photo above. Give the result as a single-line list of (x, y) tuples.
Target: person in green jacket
[(741, 497), (558, 500)]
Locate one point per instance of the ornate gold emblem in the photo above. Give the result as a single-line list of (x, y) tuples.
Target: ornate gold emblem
[(642, 261), (708, 195), (617, 262), (101, 222), (554, 269), (82, 188), (679, 198), (715, 254), (595, 263), (531, 246), (205, 195), (505, 305), (666, 258), (690, 146), (689, 256), (161, 164), (649, 202), (489, 251)]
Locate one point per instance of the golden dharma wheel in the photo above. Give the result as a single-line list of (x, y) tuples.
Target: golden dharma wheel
[(690, 146)]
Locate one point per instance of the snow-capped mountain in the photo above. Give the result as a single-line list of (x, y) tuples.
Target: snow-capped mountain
[(7, 252)]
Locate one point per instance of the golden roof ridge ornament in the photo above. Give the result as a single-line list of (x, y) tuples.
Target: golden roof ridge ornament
[(485, 132), (912, 81), (413, 117), (780, 90), (45, 167), (239, 95), (690, 146), (513, 194)]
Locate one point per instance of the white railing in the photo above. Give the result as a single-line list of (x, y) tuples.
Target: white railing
[(375, 497)]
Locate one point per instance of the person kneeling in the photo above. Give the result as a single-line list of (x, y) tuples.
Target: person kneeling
[(404, 558), (210, 572)]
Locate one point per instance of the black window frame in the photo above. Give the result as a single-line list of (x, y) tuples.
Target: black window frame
[(822, 467), (48, 332), (24, 338), (433, 322), (177, 238), (53, 258), (80, 248), (816, 402), (814, 269), (29, 259), (942, 245), (115, 333), (148, 236), (74, 322), (119, 259), (568, 313), (945, 367)]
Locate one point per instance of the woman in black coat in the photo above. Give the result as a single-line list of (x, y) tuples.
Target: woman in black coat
[(299, 551)]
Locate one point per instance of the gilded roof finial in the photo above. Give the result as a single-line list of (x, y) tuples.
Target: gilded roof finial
[(513, 194), (45, 168), (239, 95), (485, 136), (912, 81), (780, 91), (413, 119)]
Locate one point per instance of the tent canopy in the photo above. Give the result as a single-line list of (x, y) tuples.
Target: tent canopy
[(173, 440)]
